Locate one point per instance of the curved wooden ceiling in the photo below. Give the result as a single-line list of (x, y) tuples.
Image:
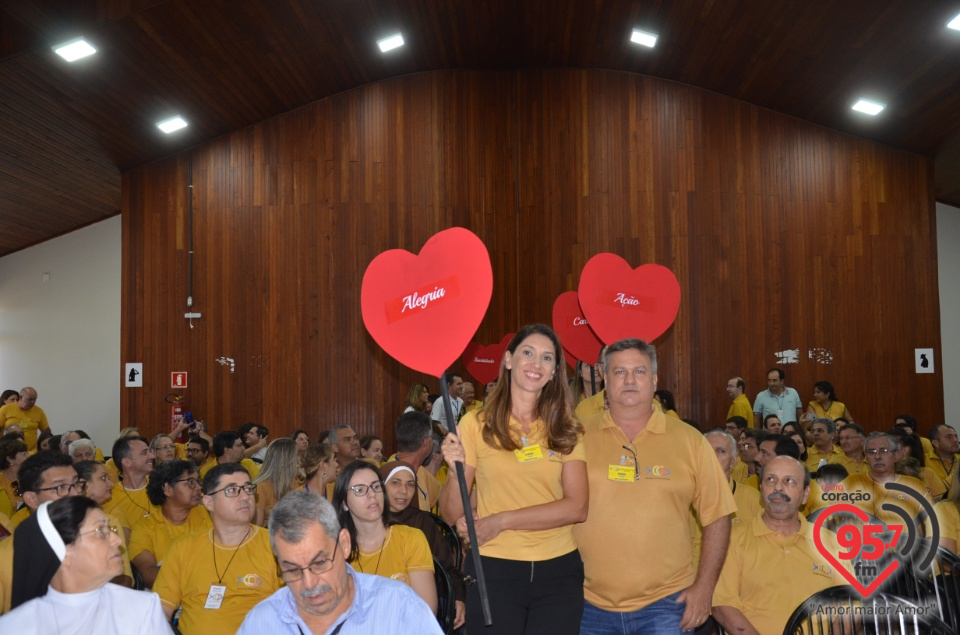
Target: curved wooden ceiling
[(67, 131)]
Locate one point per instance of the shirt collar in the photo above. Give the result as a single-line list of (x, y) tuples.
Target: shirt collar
[(657, 424), (760, 528), (291, 615)]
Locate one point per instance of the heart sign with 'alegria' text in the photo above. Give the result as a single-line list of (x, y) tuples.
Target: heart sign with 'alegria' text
[(578, 339), (621, 302), (483, 362), (421, 308)]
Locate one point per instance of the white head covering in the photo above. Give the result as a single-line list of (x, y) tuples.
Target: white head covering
[(50, 532)]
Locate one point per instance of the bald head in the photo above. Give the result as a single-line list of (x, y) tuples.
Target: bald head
[(28, 397)]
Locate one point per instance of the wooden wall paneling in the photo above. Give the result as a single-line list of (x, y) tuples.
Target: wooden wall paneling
[(783, 235)]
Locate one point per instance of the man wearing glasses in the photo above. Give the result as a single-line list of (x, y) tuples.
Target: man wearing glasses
[(43, 477), (218, 575), (322, 591), (851, 442), (881, 449), (646, 471), (174, 487)]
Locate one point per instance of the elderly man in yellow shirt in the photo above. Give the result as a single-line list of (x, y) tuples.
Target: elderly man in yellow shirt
[(773, 564), (881, 450), (646, 471), (823, 449), (851, 443)]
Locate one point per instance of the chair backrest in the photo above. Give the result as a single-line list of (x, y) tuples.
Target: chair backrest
[(841, 610), (446, 601), (456, 548)]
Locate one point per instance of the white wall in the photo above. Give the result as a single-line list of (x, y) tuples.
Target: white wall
[(948, 261), (62, 335)]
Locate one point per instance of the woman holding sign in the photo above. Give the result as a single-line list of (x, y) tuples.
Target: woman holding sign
[(523, 452)]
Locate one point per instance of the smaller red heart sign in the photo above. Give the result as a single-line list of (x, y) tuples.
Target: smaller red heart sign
[(423, 309), (892, 566), (483, 362), (621, 302), (574, 330)]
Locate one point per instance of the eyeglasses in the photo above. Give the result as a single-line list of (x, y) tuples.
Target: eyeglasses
[(232, 491), (193, 450), (69, 488), (361, 489), (876, 451), (318, 567), (103, 531), (636, 464), (192, 483)]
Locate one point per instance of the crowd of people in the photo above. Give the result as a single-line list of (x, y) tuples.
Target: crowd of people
[(596, 509)]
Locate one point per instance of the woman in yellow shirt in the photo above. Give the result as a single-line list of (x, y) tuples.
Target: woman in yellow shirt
[(13, 452), (397, 552), (523, 453), (825, 404), (278, 477)]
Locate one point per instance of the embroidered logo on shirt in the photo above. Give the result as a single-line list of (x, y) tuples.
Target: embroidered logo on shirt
[(822, 569), (400, 577), (251, 580), (658, 471)]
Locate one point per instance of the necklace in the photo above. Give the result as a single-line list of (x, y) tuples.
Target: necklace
[(146, 510), (230, 561), (379, 555)]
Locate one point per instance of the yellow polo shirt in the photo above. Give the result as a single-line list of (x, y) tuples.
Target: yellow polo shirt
[(834, 412), (155, 534), (935, 463), (20, 516), (879, 495), (404, 549), (852, 467), (591, 406), (740, 471), (767, 575), (504, 482), (814, 456), (948, 517), (740, 407), (30, 421), (130, 505), (6, 574), (636, 543), (8, 497), (253, 469), (935, 485), (748, 506), (195, 562)]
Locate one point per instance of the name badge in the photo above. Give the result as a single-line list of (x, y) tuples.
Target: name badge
[(215, 596), (622, 473), (780, 415), (529, 453)]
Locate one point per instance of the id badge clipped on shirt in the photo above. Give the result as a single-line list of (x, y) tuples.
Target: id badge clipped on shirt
[(529, 453), (215, 596), (621, 473)]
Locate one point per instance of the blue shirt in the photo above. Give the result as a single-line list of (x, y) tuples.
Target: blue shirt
[(785, 406), (380, 605)]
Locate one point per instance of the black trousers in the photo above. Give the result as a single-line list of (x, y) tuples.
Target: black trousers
[(528, 598)]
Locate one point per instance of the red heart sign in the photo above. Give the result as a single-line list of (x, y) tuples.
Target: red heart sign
[(483, 362), (575, 333), (621, 302), (865, 591), (420, 308)]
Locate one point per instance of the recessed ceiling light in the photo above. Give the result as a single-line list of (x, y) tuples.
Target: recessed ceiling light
[(643, 38), (74, 49), (172, 124), (954, 23), (868, 107), (390, 43)]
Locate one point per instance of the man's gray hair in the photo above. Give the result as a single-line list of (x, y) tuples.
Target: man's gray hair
[(81, 443), (828, 423), (332, 437), (294, 514), (890, 439), (806, 473), (728, 437), (635, 345)]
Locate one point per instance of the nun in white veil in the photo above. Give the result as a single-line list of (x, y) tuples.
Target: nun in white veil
[(64, 556)]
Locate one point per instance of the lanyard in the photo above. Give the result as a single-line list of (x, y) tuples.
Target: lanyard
[(335, 631)]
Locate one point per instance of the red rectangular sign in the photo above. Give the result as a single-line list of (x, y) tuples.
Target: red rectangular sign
[(178, 380)]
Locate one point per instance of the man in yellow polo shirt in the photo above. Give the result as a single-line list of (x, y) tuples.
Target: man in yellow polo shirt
[(228, 448), (881, 450), (851, 443), (28, 415), (946, 446), (740, 407), (218, 575), (646, 471), (773, 563), (129, 501), (823, 448)]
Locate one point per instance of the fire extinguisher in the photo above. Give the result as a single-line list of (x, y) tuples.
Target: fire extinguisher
[(177, 415)]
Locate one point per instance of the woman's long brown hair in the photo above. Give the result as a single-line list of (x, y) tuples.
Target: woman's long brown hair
[(554, 407)]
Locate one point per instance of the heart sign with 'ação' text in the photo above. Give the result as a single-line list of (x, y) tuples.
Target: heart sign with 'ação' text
[(579, 340), (483, 362), (622, 302), (420, 308)]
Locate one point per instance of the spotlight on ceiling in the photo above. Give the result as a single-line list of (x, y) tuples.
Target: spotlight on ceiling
[(868, 107), (74, 49), (643, 38), (172, 124), (389, 43), (954, 23)]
